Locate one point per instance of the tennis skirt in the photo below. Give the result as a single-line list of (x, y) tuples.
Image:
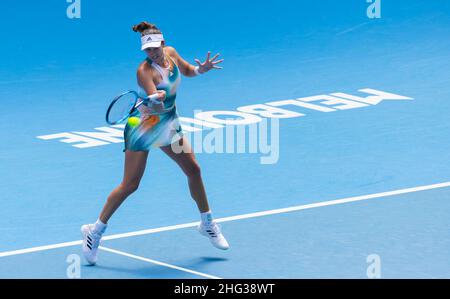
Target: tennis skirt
[(152, 131)]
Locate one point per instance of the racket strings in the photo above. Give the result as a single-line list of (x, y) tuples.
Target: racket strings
[(129, 104), (121, 108)]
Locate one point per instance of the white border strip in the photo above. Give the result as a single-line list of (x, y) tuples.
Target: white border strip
[(136, 257), (237, 217)]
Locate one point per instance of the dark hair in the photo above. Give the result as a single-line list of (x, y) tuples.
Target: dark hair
[(146, 28)]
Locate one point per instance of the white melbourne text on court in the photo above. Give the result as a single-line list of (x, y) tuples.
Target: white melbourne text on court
[(244, 116)]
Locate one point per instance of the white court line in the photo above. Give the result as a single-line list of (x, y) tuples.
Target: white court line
[(136, 257), (40, 248), (237, 217), (352, 28)]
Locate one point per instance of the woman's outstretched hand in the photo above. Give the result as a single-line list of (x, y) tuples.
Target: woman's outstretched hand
[(209, 64)]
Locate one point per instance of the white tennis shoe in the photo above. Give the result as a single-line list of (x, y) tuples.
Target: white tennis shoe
[(212, 231), (91, 241)]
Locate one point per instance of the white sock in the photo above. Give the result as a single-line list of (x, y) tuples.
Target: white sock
[(206, 217), (99, 227)]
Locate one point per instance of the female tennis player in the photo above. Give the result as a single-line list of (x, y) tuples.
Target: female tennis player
[(158, 77)]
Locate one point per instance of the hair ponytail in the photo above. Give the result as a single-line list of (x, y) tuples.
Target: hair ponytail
[(146, 28)]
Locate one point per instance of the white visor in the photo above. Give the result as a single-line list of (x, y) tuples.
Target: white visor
[(151, 41)]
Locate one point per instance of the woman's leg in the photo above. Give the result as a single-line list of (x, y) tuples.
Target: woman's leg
[(134, 169), (92, 233), (186, 160)]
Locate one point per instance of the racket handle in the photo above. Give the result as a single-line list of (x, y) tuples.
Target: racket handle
[(154, 98), (140, 102)]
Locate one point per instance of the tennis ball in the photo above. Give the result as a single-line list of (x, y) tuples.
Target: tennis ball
[(134, 121)]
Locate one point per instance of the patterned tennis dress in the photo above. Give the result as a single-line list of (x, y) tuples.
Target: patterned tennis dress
[(156, 130)]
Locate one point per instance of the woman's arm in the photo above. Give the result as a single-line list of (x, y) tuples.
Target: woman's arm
[(187, 69), (145, 80)]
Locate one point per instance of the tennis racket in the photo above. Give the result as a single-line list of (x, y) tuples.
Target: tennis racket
[(125, 104)]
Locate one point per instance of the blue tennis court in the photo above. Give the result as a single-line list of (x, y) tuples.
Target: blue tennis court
[(323, 142)]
